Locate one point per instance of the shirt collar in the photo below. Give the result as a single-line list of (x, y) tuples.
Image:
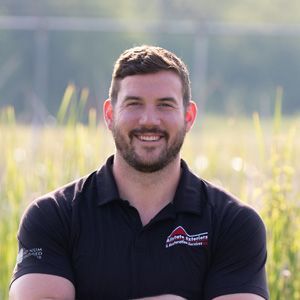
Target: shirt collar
[(188, 196), (107, 189)]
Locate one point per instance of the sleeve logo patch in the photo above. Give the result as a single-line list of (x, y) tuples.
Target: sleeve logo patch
[(25, 253), (180, 236)]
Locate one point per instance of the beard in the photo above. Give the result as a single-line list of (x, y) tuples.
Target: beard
[(166, 155)]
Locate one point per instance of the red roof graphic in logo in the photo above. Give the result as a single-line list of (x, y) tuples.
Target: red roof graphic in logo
[(178, 231), (180, 236)]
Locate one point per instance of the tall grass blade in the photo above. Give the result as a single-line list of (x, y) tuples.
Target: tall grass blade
[(84, 95), (7, 116), (66, 100), (278, 110), (259, 136), (92, 118)]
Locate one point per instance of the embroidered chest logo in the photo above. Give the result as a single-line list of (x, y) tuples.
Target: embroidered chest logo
[(180, 236)]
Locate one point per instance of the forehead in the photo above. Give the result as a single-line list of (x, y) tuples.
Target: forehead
[(155, 85)]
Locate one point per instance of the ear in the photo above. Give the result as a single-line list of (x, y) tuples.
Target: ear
[(190, 115), (108, 113)]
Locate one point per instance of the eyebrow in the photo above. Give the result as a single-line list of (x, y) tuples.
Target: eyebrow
[(127, 98), (163, 99), (159, 100)]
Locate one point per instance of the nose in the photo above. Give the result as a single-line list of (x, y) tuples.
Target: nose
[(149, 117)]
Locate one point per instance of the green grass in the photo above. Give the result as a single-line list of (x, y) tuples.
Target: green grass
[(254, 159)]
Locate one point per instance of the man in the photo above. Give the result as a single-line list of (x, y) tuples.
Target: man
[(143, 226)]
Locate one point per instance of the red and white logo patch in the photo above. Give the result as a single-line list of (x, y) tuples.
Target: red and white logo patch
[(180, 236)]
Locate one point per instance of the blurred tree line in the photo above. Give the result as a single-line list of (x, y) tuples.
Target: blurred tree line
[(235, 74)]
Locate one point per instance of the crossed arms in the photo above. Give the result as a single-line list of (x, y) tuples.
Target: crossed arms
[(51, 287)]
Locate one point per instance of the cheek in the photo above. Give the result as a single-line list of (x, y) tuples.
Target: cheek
[(125, 121), (175, 121)]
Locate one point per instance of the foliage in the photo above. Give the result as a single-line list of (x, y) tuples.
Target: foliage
[(281, 209)]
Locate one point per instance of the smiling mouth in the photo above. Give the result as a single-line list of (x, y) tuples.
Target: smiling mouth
[(148, 135), (149, 138)]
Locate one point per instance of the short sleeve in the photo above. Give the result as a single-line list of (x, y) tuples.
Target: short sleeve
[(239, 257), (44, 240)]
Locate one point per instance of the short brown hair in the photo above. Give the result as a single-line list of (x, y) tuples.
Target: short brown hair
[(145, 60)]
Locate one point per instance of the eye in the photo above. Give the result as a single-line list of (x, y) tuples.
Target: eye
[(165, 104), (133, 103)]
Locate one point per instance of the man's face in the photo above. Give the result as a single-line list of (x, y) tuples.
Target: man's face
[(148, 122)]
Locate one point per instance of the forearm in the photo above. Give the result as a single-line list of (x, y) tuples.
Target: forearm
[(42, 287)]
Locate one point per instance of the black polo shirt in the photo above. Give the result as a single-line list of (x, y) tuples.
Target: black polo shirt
[(202, 245)]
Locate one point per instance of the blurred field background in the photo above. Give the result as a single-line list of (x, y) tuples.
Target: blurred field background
[(56, 60)]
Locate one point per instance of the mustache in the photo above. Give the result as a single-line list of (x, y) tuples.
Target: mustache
[(143, 130)]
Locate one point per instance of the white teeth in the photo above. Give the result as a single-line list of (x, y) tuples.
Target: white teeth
[(149, 138)]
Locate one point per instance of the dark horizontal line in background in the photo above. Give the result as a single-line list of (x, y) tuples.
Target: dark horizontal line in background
[(119, 25)]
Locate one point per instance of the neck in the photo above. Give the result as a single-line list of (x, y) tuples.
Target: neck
[(147, 192)]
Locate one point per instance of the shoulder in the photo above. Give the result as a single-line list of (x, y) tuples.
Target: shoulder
[(212, 200), (70, 193), (57, 206), (226, 211), (234, 223), (224, 204)]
